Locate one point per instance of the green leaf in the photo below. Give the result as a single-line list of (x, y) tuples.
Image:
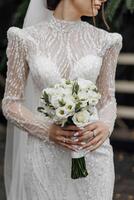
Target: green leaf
[(62, 103), (68, 82), (21, 12), (41, 109), (130, 5), (46, 97), (111, 8), (77, 107), (75, 87)]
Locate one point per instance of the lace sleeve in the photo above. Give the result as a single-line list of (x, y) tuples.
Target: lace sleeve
[(107, 106), (17, 72)]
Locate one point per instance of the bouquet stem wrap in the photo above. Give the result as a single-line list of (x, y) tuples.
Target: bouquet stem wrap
[(78, 169)]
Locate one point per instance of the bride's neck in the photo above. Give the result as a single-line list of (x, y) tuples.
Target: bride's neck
[(66, 11)]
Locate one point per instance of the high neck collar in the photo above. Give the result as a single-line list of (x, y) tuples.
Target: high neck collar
[(64, 25)]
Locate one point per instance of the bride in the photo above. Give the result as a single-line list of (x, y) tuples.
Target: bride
[(54, 43)]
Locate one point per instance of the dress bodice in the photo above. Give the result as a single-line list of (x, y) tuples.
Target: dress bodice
[(59, 49), (64, 49)]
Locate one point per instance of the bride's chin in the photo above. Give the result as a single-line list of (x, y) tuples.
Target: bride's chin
[(95, 13)]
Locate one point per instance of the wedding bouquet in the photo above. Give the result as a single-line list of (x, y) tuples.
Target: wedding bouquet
[(71, 102)]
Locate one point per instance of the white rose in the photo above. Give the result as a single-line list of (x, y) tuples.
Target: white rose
[(81, 118), (55, 101), (90, 109), (83, 95), (84, 84), (68, 91), (92, 101), (93, 98), (92, 86)]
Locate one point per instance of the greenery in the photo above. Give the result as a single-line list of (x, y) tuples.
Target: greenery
[(20, 14), (114, 13), (113, 5), (115, 10)]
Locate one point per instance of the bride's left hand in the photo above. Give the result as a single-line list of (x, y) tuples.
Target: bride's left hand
[(96, 139)]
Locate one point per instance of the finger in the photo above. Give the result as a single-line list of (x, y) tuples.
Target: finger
[(87, 135), (67, 146), (90, 127), (61, 132), (68, 140), (70, 133), (93, 142), (71, 128), (99, 143), (97, 131)]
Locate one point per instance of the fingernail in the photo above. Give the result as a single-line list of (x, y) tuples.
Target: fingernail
[(80, 148), (90, 148), (83, 143), (76, 133), (76, 140)]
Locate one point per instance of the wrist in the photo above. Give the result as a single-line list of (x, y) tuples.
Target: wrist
[(48, 135), (107, 127)]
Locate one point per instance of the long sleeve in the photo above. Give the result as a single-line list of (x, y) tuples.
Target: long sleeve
[(17, 73), (107, 106)]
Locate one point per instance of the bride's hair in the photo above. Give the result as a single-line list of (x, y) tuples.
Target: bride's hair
[(52, 4)]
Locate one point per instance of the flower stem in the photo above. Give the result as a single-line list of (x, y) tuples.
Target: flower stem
[(78, 168)]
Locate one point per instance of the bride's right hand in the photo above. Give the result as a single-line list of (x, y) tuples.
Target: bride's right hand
[(64, 137)]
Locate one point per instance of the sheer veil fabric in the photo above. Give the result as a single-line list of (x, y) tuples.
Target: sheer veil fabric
[(16, 139)]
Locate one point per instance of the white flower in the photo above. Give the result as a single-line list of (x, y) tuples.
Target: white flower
[(84, 84), (93, 98), (93, 101), (55, 100), (65, 84), (81, 118), (61, 113), (68, 91), (49, 91), (83, 104), (82, 95), (70, 106), (91, 109)]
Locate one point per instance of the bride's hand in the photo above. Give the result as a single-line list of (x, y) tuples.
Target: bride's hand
[(94, 134), (63, 136)]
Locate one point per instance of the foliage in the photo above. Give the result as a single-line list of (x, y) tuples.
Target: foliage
[(114, 10), (117, 8), (20, 14)]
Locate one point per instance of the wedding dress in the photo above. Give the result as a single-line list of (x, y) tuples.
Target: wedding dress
[(39, 56)]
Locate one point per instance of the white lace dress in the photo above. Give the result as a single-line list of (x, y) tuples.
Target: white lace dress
[(41, 55)]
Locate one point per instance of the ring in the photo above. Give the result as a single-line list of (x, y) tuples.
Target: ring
[(94, 133), (64, 140)]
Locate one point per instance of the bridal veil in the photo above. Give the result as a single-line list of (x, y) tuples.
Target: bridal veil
[(16, 139)]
